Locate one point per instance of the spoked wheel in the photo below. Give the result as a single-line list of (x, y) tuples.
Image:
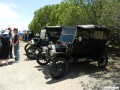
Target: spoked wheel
[(102, 61), (42, 59), (58, 68), (27, 46), (32, 52)]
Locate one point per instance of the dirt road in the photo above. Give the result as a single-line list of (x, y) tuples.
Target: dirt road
[(28, 75)]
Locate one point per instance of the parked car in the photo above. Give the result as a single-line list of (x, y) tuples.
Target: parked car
[(48, 34), (30, 39), (78, 44)]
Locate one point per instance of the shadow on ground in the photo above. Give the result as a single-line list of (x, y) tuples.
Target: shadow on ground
[(9, 63), (113, 52), (25, 54), (75, 70), (112, 72), (27, 59), (44, 69)]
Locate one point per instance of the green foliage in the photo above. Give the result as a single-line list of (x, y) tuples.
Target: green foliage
[(74, 12)]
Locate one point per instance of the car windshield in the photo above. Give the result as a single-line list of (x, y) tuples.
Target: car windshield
[(68, 34), (42, 34)]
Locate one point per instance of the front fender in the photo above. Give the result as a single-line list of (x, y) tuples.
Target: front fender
[(61, 54), (34, 45)]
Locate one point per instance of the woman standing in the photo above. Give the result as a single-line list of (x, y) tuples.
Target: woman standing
[(6, 41)]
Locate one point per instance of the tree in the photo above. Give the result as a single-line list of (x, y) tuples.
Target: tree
[(73, 12)]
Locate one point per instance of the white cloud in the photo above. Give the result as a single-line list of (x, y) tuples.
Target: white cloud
[(11, 18), (7, 12), (21, 26)]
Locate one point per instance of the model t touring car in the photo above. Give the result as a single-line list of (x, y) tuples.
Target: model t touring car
[(77, 44), (47, 34)]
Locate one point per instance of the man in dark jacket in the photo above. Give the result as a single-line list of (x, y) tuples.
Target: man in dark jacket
[(6, 41), (11, 46)]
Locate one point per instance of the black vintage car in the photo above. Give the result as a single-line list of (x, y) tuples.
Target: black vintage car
[(77, 44), (48, 34), (30, 35)]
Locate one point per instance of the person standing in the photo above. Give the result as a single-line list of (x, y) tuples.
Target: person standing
[(6, 41), (16, 40), (25, 36), (11, 46), (20, 34)]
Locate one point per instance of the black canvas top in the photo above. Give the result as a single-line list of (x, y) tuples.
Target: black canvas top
[(92, 27), (52, 27)]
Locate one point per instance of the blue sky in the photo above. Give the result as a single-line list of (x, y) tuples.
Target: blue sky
[(19, 13)]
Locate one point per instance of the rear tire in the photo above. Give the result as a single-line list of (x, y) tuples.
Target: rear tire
[(58, 68), (102, 61), (32, 52)]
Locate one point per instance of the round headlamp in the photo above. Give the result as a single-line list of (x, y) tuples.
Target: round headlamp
[(49, 46)]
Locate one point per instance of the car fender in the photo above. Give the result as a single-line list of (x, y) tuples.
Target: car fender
[(61, 54)]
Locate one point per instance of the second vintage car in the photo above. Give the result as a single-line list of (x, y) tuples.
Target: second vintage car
[(77, 44)]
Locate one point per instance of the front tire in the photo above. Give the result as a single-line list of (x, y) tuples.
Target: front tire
[(102, 61), (27, 46), (42, 59), (32, 52), (58, 68)]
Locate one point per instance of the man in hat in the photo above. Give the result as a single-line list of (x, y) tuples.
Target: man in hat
[(6, 41)]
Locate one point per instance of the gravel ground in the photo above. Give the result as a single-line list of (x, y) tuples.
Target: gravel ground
[(28, 75)]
